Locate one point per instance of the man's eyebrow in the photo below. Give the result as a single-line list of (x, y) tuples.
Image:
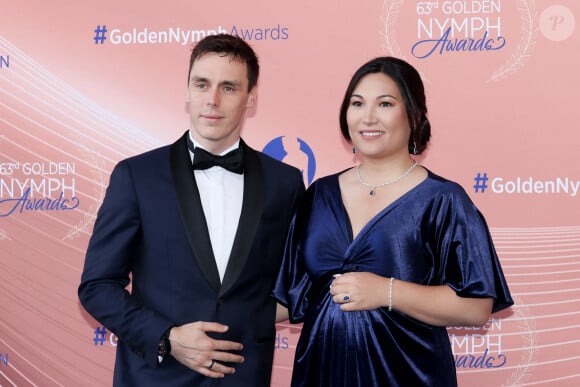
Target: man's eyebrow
[(230, 83), (198, 79)]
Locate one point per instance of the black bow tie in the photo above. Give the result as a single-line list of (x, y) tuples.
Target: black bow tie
[(232, 161)]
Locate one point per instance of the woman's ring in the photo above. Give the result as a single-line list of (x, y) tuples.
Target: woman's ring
[(211, 364), (346, 298)]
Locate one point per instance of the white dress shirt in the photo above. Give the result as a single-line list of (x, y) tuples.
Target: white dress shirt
[(221, 193)]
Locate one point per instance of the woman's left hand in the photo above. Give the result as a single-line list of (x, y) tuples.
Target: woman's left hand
[(360, 291)]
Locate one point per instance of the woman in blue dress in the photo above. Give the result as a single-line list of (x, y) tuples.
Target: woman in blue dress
[(382, 257)]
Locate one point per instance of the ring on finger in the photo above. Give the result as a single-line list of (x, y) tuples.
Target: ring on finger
[(346, 298), (211, 364)]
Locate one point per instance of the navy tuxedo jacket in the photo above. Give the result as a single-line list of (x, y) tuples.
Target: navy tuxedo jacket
[(151, 233)]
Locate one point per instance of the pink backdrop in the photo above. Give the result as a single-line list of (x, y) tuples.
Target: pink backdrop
[(501, 79)]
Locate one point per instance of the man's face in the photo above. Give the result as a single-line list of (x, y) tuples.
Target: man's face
[(218, 98)]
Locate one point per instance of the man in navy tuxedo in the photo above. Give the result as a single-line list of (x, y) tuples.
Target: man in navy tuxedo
[(198, 230)]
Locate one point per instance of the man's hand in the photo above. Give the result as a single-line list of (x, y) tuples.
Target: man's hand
[(192, 347)]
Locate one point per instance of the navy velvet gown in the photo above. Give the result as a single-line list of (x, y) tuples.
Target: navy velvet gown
[(432, 235)]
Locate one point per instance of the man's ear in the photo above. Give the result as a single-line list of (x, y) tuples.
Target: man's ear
[(252, 97)]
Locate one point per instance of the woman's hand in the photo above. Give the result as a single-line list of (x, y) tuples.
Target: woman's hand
[(437, 305), (360, 291)]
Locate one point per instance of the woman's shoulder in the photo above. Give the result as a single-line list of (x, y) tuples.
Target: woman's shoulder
[(444, 184), (447, 194), (326, 180), (446, 189)]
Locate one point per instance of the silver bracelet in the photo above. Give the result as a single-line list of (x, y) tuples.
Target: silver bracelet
[(391, 293)]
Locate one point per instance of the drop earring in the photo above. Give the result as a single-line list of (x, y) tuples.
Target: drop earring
[(414, 148)]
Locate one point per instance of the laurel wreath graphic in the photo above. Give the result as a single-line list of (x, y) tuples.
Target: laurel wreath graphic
[(527, 327), (96, 162), (529, 16), (391, 14), (3, 235)]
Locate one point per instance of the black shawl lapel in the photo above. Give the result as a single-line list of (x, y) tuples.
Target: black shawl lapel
[(191, 211), (254, 187)]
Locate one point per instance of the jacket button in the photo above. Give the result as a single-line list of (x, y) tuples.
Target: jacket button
[(220, 301)]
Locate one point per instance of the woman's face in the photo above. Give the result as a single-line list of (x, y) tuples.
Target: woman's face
[(377, 118)]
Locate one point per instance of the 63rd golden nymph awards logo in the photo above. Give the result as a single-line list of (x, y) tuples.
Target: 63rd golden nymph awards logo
[(489, 40), (48, 191)]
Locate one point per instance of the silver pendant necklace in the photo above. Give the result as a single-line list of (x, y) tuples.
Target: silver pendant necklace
[(374, 187)]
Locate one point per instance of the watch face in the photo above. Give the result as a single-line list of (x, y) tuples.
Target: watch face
[(163, 347)]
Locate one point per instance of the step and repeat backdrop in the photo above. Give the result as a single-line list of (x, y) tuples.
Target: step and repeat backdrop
[(84, 85)]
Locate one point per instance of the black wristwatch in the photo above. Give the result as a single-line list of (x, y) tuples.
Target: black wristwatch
[(163, 348)]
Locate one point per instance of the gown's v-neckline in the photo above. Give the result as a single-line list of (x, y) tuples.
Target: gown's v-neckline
[(374, 218)]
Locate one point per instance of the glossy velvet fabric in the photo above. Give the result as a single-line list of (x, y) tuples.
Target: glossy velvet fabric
[(431, 235)]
